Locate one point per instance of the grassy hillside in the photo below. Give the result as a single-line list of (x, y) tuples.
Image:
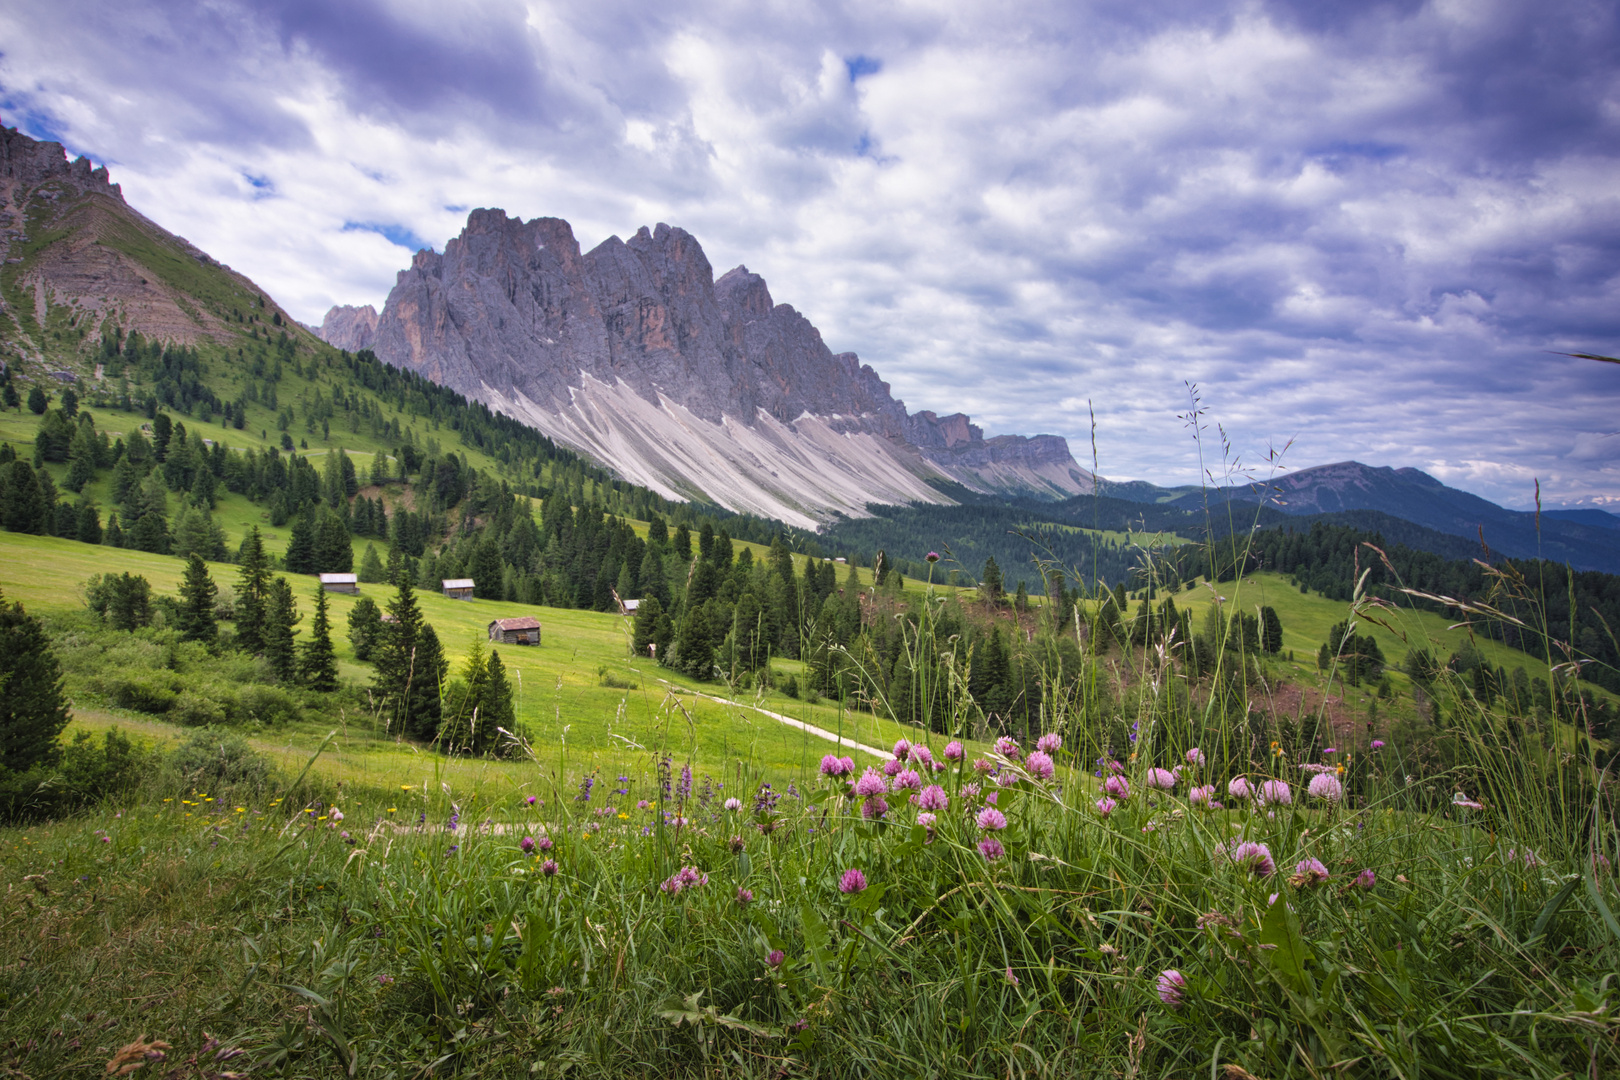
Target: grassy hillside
[(576, 723)]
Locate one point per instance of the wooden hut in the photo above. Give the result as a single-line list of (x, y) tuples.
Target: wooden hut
[(459, 588), (348, 583), (523, 630)]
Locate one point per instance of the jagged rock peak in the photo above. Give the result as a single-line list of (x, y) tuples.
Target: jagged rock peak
[(601, 349), (31, 162), (351, 328)]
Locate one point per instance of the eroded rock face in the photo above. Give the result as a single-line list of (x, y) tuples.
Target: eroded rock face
[(351, 328), (512, 312)]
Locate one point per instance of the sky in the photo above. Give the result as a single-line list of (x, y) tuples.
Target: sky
[(1337, 231)]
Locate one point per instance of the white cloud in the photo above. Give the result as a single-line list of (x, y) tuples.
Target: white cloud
[(1366, 235)]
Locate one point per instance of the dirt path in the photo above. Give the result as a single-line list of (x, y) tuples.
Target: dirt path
[(811, 729)]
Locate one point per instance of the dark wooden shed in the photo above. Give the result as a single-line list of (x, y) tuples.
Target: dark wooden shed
[(522, 630)]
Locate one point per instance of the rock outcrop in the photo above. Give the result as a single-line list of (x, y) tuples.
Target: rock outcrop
[(635, 353), (351, 328), (78, 257)]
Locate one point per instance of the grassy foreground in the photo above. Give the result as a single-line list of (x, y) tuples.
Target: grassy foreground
[(695, 898)]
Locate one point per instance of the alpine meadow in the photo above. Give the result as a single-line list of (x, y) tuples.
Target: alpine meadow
[(579, 669)]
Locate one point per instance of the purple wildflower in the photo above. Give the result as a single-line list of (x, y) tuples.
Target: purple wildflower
[(775, 958), (530, 800), (871, 783), (921, 755), (874, 808), (684, 787), (1309, 872), (1039, 765), (527, 844), (932, 556), (545, 843), (1050, 743), (1195, 757), (745, 896), (1171, 984), (1276, 791), (933, 797), (1459, 799), (927, 820), (1007, 747), (892, 767), (1366, 879), (853, 881), (990, 819), (1202, 796), (902, 749), (549, 867), (991, 849), (953, 751), (1162, 779), (385, 980), (907, 779), (1106, 806), (1239, 788), (831, 765), (1331, 750), (1118, 787), (1378, 744), (733, 804), (1326, 786), (1255, 858)]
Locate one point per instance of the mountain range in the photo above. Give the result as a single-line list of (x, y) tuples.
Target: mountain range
[(635, 353), (693, 385)]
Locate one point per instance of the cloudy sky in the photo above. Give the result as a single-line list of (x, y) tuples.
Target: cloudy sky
[(1363, 227)]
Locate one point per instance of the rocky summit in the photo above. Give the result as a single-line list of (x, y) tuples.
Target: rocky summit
[(695, 386)]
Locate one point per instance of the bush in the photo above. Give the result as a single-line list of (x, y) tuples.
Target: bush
[(214, 759), (194, 710), (145, 692)]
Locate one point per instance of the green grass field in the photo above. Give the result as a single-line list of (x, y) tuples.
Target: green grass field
[(576, 724)]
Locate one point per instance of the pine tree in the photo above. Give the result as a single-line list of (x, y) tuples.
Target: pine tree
[(252, 593), (33, 708), (333, 551), (991, 584), (496, 708), (22, 503), (1271, 630), (694, 643), (197, 595), (115, 532), (37, 401), (365, 628), (487, 571), (409, 667), (299, 557), (319, 663), (646, 625), (371, 567), (89, 523), (280, 616)]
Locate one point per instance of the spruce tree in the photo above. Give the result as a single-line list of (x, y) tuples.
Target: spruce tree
[(280, 616), (299, 557), (37, 401), (409, 666), (319, 664), (991, 584), (646, 625), (495, 710), (487, 570), (33, 707), (252, 593), (371, 566), (332, 551), (22, 504), (197, 595), (115, 533), (365, 628), (89, 523)]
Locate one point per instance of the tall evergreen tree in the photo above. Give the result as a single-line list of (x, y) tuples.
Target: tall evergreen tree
[(365, 628), (332, 552), (299, 558), (487, 571), (319, 664), (991, 584), (252, 593), (197, 595), (33, 707), (1271, 630), (409, 666), (280, 616), (496, 706), (22, 503)]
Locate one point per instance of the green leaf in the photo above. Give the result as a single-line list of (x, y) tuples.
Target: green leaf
[(1283, 949), (1596, 894), (1550, 910)]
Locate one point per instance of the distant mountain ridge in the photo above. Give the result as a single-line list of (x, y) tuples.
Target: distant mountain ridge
[(1572, 537), (692, 385)]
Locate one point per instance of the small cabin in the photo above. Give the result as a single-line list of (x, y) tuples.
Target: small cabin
[(523, 630), (460, 588), (348, 583), (628, 608)]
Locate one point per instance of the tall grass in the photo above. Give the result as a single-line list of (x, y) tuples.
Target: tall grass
[(1444, 906)]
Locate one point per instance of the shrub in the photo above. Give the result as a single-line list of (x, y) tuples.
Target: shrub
[(214, 759), (195, 710), (144, 692)]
